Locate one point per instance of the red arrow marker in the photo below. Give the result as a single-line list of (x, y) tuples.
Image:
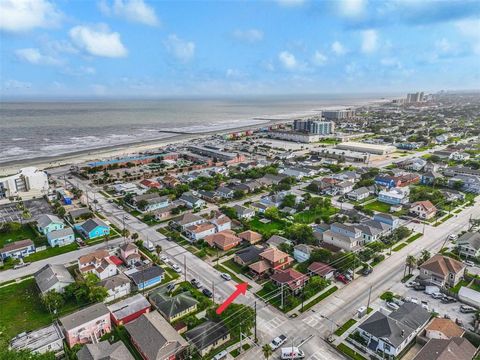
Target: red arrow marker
[(241, 289)]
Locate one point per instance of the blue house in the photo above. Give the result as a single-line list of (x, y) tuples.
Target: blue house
[(61, 237), (17, 249), (147, 277), (384, 181), (93, 228), (47, 223), (387, 219)]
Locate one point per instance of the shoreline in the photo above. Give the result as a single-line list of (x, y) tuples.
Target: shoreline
[(115, 150)]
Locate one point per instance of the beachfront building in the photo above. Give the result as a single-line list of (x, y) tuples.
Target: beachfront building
[(26, 183)]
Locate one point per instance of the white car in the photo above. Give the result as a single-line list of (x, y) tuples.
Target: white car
[(226, 276), (469, 263), (176, 268), (452, 237), (437, 295), (163, 258), (393, 306), (277, 342)]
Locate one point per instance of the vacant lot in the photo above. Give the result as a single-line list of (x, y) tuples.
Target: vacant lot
[(258, 226), (378, 206), (25, 232), (311, 216)]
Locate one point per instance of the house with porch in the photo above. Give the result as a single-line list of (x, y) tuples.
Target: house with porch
[(61, 237), (93, 228), (47, 223), (442, 271), (271, 260), (17, 249), (423, 209)]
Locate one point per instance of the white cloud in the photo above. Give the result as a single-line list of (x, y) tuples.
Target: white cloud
[(25, 15), (16, 84), (290, 3), (338, 48), (352, 8), (288, 60), (131, 10), (250, 35), (319, 59), (98, 41), (35, 57), (60, 46), (470, 28), (369, 41), (181, 49)]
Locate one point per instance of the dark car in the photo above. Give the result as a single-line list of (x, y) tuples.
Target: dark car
[(367, 271), (207, 292), (170, 287), (448, 300), (419, 287)]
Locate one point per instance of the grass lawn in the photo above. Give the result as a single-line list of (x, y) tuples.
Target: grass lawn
[(400, 247), (319, 298), (414, 237), (310, 216), (49, 252), (25, 232), (378, 206), (231, 273), (457, 287), (406, 278), (232, 265), (345, 327), (258, 226), (352, 354)]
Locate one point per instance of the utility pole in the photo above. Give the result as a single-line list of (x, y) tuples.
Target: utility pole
[(255, 309), (213, 291), (369, 294), (303, 295), (185, 266), (281, 289)]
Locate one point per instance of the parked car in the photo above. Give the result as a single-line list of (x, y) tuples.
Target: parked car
[(207, 293), (411, 299), (452, 237), (176, 268), (467, 309), (221, 355), (437, 295), (196, 283), (367, 271), (277, 342), (469, 263), (398, 301), (448, 300), (419, 287), (226, 276), (163, 258), (393, 306), (341, 278), (170, 287), (21, 265), (459, 322)]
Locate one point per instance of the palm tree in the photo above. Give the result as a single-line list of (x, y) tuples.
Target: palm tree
[(424, 256), (410, 263), (267, 351)]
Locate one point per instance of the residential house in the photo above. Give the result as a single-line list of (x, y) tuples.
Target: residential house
[(93, 228), (98, 263), (80, 214), (321, 269), (385, 181), (173, 307), (359, 194), (150, 184), (104, 350), (452, 195), (45, 340), (271, 259), (187, 220), (442, 271), (209, 196), (394, 196), (224, 192), (200, 231), (244, 212), (456, 348), (191, 201), (301, 252), (406, 179), (129, 254), (223, 240), (165, 212), (431, 167), (250, 236), (129, 309), (423, 209), (277, 240), (415, 164), (391, 334), (441, 328), (53, 278), (170, 182), (221, 221), (346, 237), (248, 255), (430, 178), (117, 287), (155, 339), (87, 325), (146, 277), (460, 170), (272, 179), (259, 207), (17, 249), (459, 156), (392, 221), (469, 245), (344, 187), (297, 172), (208, 336), (150, 202), (290, 278), (61, 237), (468, 183), (47, 223)]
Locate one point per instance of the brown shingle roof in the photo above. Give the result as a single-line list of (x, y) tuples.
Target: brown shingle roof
[(273, 255), (446, 327), (320, 268), (251, 236), (442, 265), (16, 245), (260, 266), (291, 277), (223, 239)]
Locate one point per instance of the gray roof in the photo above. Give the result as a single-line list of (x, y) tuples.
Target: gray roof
[(84, 316), (171, 306), (129, 306), (114, 281), (469, 238), (188, 218), (91, 224), (276, 240), (46, 219), (456, 348), (155, 337), (206, 334), (250, 254), (242, 210), (49, 275), (37, 339), (56, 234), (104, 351), (146, 274), (79, 212)]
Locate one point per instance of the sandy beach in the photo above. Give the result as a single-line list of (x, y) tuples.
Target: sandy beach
[(80, 157)]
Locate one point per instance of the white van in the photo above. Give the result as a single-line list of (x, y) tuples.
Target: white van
[(149, 246), (290, 353), (220, 355)]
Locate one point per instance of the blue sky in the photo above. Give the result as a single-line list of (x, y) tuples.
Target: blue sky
[(212, 48)]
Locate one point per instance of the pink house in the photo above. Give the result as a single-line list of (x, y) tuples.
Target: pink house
[(129, 253), (86, 325)]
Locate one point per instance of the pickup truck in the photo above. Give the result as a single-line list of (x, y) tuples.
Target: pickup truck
[(277, 342)]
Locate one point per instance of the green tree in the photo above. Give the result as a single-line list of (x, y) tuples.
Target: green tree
[(410, 263), (236, 317), (288, 201), (424, 256), (53, 301), (267, 351), (300, 233), (272, 213)]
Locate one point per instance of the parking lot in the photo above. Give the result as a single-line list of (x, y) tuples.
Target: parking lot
[(36, 207)]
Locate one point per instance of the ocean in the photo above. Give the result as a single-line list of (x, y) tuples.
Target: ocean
[(30, 130)]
